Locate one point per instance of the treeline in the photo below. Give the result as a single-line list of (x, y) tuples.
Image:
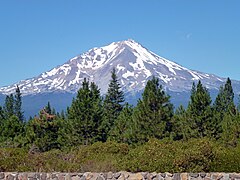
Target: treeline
[(99, 133), (92, 118)]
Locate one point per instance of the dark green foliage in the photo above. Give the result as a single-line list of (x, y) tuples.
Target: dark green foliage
[(48, 108), (122, 128), (42, 132), (200, 100), (11, 120), (230, 129), (224, 99), (1, 113), (199, 111), (12, 128), (85, 114), (224, 110), (9, 106), (2, 120), (18, 105), (113, 105), (203, 137), (153, 113), (181, 128)]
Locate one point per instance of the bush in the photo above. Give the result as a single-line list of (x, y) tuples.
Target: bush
[(227, 159), (13, 159), (166, 156), (100, 156), (194, 155)]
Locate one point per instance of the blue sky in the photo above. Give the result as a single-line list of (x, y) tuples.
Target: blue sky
[(37, 35)]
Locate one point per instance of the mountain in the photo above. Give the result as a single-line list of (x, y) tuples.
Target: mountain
[(134, 65)]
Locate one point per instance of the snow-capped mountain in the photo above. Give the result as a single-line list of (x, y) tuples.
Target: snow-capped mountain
[(134, 65)]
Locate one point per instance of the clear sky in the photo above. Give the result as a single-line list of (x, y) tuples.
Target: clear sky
[(37, 35)]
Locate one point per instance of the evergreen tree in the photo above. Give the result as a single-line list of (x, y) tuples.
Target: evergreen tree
[(229, 92), (42, 132), (48, 108), (2, 121), (223, 107), (121, 131), (225, 98), (85, 114), (199, 111), (18, 105), (12, 128), (153, 113), (113, 105), (1, 113), (230, 129), (9, 106), (62, 115), (180, 125)]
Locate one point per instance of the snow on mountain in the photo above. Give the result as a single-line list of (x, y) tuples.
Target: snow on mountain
[(134, 65)]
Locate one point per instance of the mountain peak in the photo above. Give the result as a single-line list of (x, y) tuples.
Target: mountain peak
[(127, 41), (134, 65)]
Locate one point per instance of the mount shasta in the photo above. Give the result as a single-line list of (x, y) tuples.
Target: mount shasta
[(134, 65)]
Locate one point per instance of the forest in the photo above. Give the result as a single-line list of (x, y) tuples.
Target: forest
[(105, 133)]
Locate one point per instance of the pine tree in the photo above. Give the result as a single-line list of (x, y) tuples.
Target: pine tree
[(180, 125), (229, 92), (62, 115), (113, 105), (199, 110), (2, 121), (121, 131), (18, 105), (85, 114), (223, 106), (12, 128), (48, 108), (153, 113), (225, 98), (230, 129), (42, 132), (9, 106)]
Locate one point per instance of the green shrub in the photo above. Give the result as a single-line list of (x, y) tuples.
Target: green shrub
[(13, 159), (166, 156), (227, 159), (100, 156), (195, 155)]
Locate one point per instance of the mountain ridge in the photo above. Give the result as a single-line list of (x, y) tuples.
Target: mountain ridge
[(134, 65)]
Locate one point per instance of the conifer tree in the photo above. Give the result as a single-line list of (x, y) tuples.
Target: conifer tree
[(62, 115), (2, 121), (223, 108), (225, 98), (113, 105), (180, 125), (85, 114), (18, 105), (199, 110), (12, 128), (121, 131), (48, 108), (9, 106), (153, 113), (42, 132), (230, 129)]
